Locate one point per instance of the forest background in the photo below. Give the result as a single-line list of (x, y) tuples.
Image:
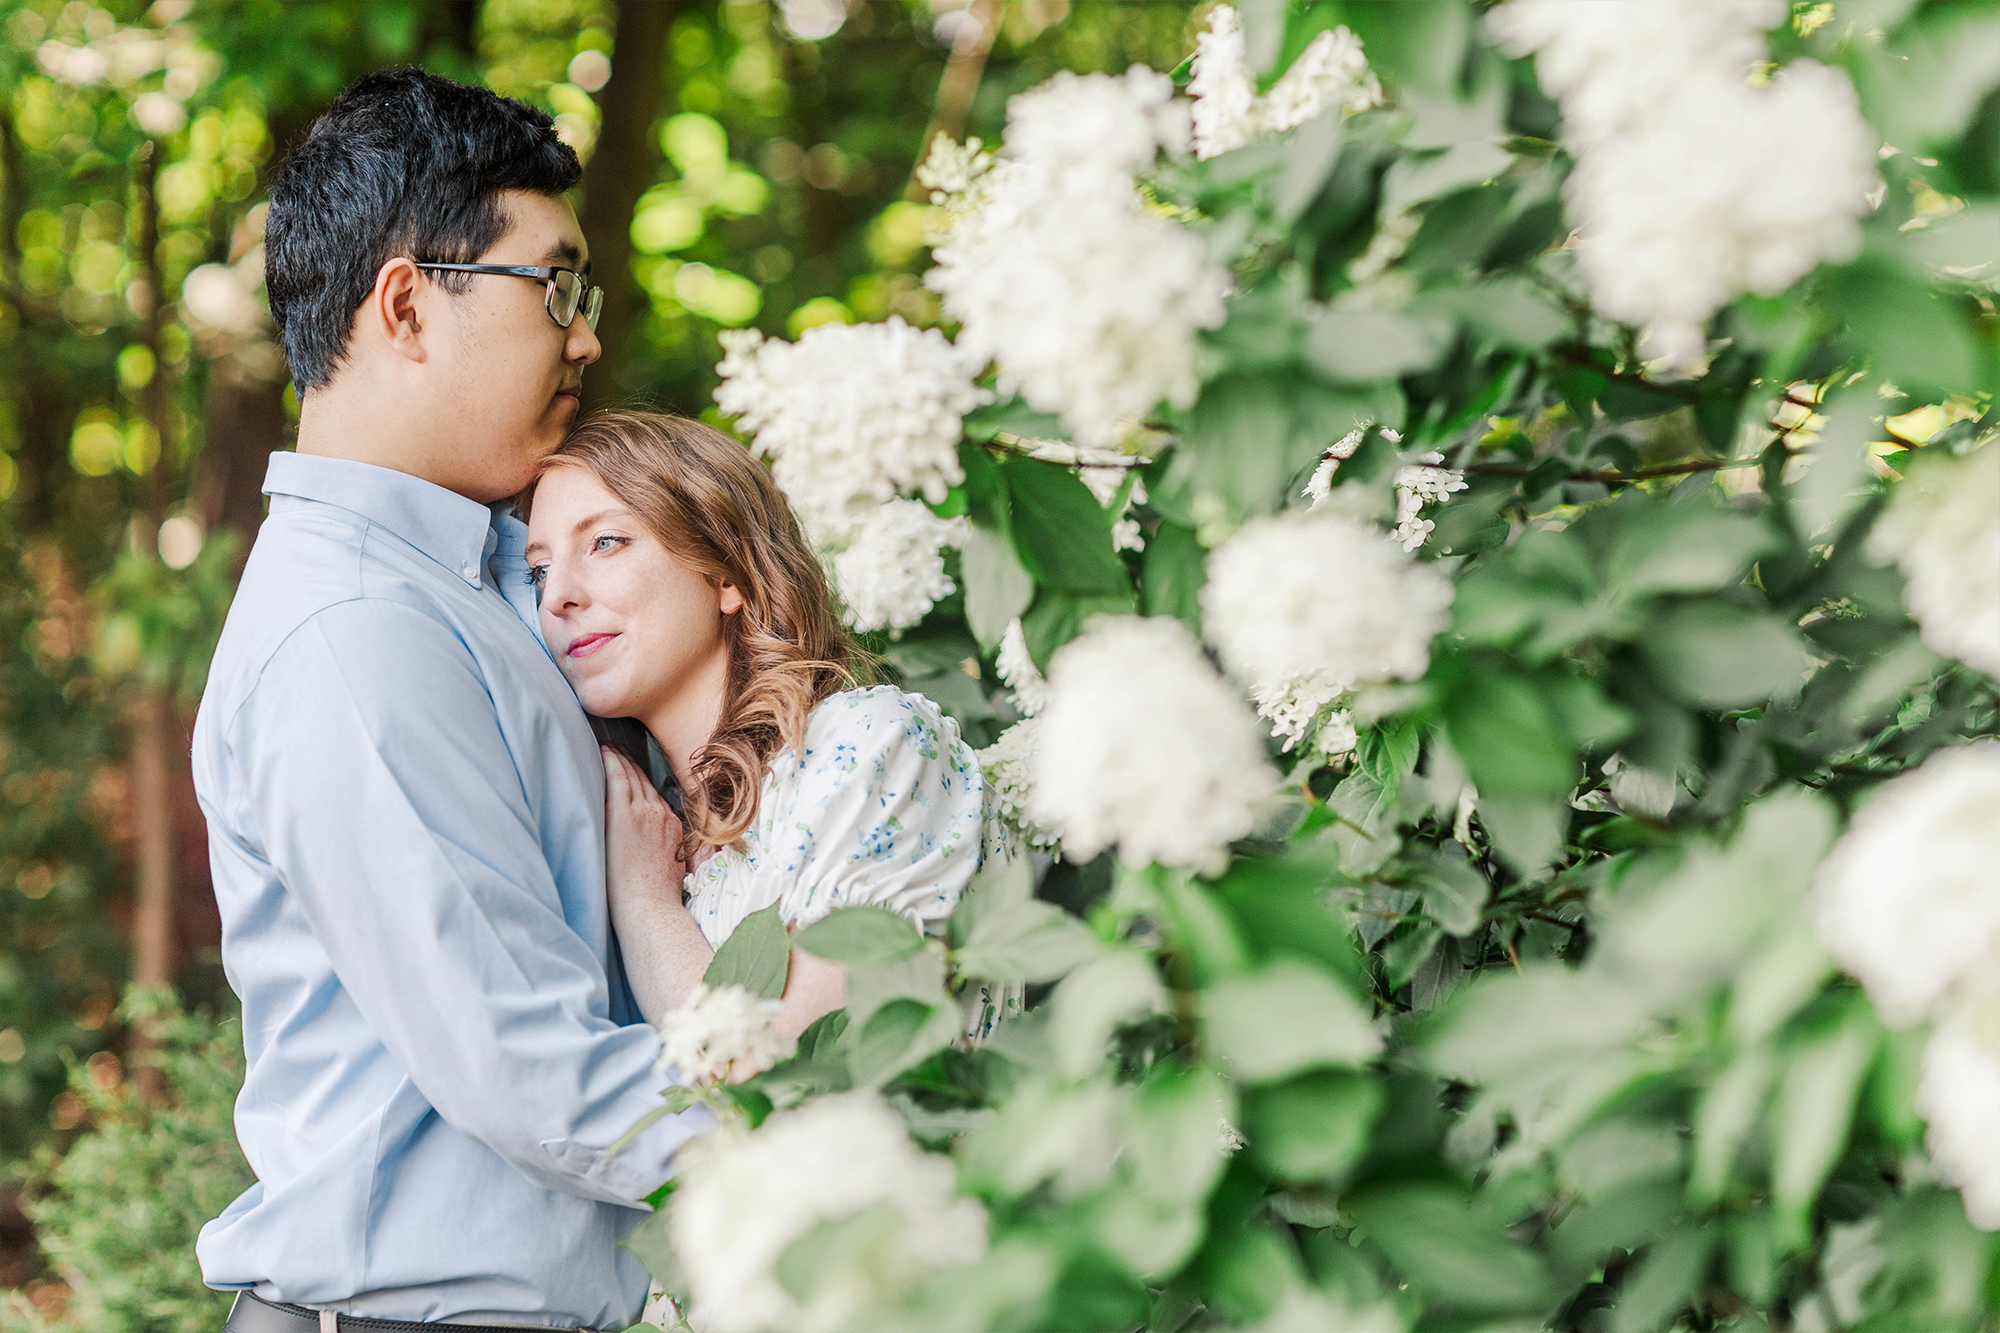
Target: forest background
[(747, 164)]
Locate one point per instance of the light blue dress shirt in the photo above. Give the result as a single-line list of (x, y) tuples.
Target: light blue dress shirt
[(406, 821)]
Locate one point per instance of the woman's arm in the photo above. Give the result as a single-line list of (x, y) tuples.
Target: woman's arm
[(666, 954)]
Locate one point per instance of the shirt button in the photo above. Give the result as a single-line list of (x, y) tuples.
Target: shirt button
[(472, 572)]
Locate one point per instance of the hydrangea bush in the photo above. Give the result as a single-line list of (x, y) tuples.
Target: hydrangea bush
[(1472, 538)]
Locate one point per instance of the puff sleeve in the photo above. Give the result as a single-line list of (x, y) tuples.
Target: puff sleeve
[(883, 808)]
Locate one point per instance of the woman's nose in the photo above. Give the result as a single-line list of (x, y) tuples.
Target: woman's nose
[(561, 593)]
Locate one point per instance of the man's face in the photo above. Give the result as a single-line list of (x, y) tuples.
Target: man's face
[(515, 375)]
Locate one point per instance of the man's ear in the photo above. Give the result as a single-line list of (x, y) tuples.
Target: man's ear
[(729, 600), (391, 311)]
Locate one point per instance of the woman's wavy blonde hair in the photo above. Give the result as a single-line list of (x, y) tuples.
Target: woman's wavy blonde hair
[(720, 514)]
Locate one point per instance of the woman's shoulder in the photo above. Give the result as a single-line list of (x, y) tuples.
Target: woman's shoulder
[(879, 717)]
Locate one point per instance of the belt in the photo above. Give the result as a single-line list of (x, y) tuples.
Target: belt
[(251, 1313)]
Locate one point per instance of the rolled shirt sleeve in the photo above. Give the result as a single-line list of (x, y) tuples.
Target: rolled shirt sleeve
[(398, 819)]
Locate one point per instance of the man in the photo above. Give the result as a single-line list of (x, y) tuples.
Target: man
[(405, 802)]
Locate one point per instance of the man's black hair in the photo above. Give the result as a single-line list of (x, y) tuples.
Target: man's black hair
[(402, 163)]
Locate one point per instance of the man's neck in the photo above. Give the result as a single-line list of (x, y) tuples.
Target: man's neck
[(349, 421)]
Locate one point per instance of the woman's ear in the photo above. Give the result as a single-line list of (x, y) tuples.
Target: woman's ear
[(729, 600)]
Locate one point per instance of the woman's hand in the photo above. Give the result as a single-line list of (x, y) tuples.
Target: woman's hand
[(642, 851)]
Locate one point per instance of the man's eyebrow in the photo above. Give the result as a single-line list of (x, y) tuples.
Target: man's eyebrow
[(565, 253)]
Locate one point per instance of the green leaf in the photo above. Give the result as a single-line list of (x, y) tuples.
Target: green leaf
[(898, 1035), (1720, 655), (998, 586), (1459, 229), (860, 935), (1455, 893), (1812, 1113), (1309, 160), (1026, 941), (1173, 1150), (757, 956), (1012, 417), (1062, 533), (1175, 568), (1446, 1251), (1097, 999), (1288, 1017), (1058, 617), (1664, 1283), (1313, 1127), (918, 975), (649, 1245), (1729, 1111), (1511, 311), (1510, 740), (1366, 833), (1683, 548), (1356, 345)]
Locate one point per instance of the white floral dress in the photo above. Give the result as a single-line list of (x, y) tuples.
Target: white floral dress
[(882, 809)]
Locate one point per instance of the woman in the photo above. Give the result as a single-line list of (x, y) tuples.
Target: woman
[(677, 589)]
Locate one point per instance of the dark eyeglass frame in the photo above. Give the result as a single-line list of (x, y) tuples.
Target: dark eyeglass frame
[(589, 297)]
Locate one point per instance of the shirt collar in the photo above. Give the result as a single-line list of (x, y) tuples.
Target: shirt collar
[(444, 525)]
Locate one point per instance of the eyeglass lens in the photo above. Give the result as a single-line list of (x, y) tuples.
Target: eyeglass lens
[(567, 292)]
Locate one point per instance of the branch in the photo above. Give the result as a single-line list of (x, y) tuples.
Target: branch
[(1609, 478)]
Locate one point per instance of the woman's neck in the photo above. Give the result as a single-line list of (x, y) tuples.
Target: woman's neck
[(686, 719)]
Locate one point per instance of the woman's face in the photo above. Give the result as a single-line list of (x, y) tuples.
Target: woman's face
[(631, 626)]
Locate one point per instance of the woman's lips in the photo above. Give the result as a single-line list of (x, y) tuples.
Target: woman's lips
[(583, 645)]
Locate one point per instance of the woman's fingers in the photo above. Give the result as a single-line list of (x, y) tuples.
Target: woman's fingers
[(617, 777)]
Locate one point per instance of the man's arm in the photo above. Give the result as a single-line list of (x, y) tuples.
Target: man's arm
[(390, 805)]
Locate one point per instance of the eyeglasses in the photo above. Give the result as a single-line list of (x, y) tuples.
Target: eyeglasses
[(568, 292)]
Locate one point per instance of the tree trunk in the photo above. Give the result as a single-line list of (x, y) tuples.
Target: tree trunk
[(151, 709), (959, 84), (622, 167)]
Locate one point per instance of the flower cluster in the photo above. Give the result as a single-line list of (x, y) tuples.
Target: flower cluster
[(1086, 302), (1305, 713), (712, 1029), (852, 415), (747, 1198), (1317, 594), (890, 571), (1943, 529), (1419, 485), (1691, 185), (1908, 903), (1008, 766), (1228, 113), (1106, 771), (1017, 670)]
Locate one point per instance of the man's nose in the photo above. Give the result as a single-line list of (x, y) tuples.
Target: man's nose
[(583, 347)]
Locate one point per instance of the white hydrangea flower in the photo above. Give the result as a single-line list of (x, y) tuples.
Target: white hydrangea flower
[(712, 1028), (1228, 113), (1144, 747), (1618, 67), (1097, 124), (890, 572), (746, 1198), (1018, 671), (1303, 712), (1425, 482), (1294, 594), (1737, 189), (1008, 766), (951, 170), (1958, 1095), (1942, 528), (1226, 110), (852, 415), (1909, 901), (1691, 186), (1087, 303), (1331, 71)]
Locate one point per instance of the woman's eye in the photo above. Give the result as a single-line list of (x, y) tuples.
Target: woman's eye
[(537, 574), (604, 544)]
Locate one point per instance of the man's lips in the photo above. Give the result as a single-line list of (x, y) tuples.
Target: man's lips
[(583, 645)]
